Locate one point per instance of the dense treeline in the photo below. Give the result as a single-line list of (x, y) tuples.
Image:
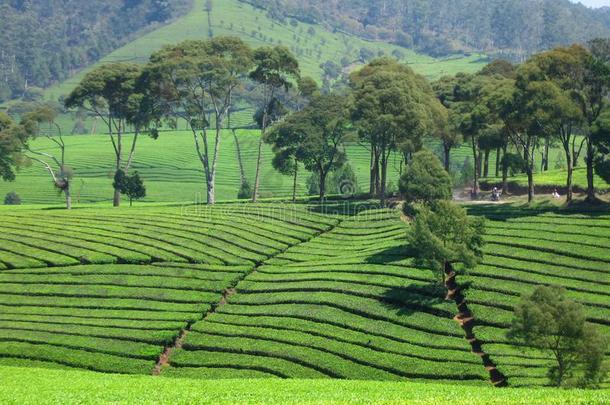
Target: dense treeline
[(514, 28), (45, 41), (555, 98)]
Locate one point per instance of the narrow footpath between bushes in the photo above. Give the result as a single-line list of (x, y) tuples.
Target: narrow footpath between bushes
[(164, 358), (466, 320)]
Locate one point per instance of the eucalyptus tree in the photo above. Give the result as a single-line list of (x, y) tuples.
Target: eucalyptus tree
[(322, 128), (286, 137), (32, 123), (111, 93), (392, 108), (276, 68), (448, 132), (192, 79), (553, 105)]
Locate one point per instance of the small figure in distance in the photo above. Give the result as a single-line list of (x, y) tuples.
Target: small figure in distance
[(556, 194), (495, 194)]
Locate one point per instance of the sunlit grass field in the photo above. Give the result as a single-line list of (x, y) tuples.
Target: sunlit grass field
[(65, 386)]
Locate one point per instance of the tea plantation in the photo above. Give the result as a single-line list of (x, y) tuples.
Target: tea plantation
[(271, 290)]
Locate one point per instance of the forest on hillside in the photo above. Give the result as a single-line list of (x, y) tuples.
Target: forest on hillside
[(45, 41), (513, 29)]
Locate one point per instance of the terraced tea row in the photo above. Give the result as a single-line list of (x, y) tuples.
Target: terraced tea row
[(118, 317), (309, 292), (525, 250), (350, 304), (309, 313), (233, 235)]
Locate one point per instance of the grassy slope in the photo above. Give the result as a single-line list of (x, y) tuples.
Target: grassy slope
[(60, 387), (172, 171), (232, 17)]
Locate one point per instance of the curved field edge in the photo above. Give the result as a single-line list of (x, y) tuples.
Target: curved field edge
[(63, 386)]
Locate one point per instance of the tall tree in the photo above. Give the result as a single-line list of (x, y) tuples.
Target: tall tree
[(195, 79), (552, 323), (323, 127), (448, 131), (393, 108), (10, 148), (443, 235), (473, 116), (33, 123), (601, 139), (286, 137), (276, 70), (109, 92)]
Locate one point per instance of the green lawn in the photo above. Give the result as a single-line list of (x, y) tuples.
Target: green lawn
[(36, 386)]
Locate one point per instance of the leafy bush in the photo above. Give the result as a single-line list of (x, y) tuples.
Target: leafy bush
[(245, 191), (12, 198), (425, 180)]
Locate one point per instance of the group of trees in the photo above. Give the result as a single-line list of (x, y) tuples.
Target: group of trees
[(558, 97), (45, 42), (444, 239), (513, 29)]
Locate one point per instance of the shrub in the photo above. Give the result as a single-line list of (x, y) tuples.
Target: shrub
[(12, 198), (554, 324), (425, 180), (245, 191)]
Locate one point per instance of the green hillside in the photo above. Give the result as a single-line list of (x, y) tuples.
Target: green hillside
[(233, 17), (173, 173), (272, 290)]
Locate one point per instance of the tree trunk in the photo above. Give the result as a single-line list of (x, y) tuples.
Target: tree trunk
[(116, 199), (504, 173), (475, 184), (242, 175), (530, 184), (498, 152), (68, 197), (545, 161), (590, 176), (486, 164), (570, 168), (384, 175), (257, 178), (377, 176), (259, 159), (131, 202), (322, 185), (372, 173), (447, 157), (294, 182), (211, 192)]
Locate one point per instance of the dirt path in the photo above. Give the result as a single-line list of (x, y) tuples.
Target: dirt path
[(465, 318), (164, 358)]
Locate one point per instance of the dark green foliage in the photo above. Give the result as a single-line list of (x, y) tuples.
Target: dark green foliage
[(12, 198), (425, 180), (10, 148), (601, 139), (42, 42), (245, 190), (131, 186), (438, 27), (444, 234), (344, 182), (513, 162), (551, 322)]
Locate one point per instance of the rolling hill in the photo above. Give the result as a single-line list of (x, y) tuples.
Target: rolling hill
[(237, 18), (270, 290)]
